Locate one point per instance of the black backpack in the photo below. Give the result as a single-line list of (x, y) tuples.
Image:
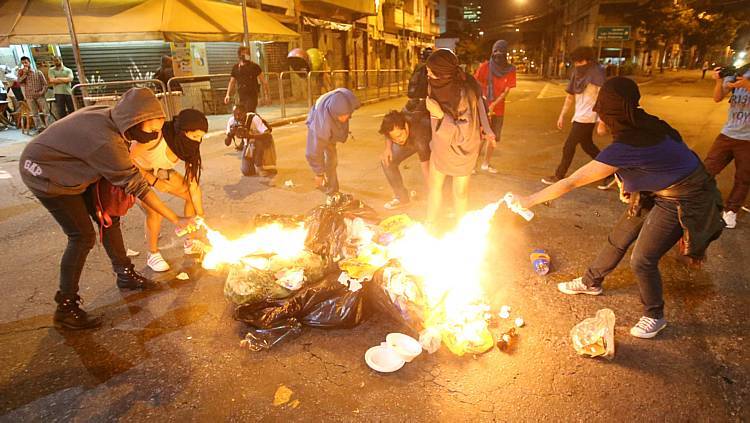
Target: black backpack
[(418, 83)]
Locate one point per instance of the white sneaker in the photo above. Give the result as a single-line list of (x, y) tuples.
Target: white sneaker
[(730, 218), (394, 204), (193, 247), (647, 328), (576, 286), (157, 263), (746, 209), (489, 169)]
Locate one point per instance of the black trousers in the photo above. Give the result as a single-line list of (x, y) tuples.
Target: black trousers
[(653, 235), (64, 103), (249, 101), (580, 133), (74, 214)]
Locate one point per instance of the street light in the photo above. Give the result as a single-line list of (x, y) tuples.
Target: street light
[(517, 29)]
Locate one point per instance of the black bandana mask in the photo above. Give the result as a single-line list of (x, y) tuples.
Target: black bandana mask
[(140, 136), (500, 59)]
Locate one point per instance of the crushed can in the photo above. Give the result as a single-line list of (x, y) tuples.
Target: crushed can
[(507, 340), (540, 262)]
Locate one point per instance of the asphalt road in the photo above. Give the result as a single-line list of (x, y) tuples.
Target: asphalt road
[(174, 354)]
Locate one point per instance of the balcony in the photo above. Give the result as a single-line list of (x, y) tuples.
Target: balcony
[(395, 20)]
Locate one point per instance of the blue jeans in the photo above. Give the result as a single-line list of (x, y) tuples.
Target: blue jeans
[(323, 159), (653, 234)]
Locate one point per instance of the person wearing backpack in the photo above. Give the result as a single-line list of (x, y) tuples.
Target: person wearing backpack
[(256, 142), (180, 141), (496, 77), (62, 166)]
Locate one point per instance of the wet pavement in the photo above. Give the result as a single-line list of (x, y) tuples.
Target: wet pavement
[(174, 354)]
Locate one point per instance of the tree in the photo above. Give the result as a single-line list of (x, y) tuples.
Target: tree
[(469, 46)]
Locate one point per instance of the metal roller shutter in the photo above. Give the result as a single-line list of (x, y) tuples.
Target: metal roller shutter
[(118, 61)]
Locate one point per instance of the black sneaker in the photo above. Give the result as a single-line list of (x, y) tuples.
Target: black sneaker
[(69, 314), (129, 278)]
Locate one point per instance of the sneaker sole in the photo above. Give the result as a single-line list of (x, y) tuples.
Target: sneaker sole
[(68, 327), (546, 182), (569, 292), (647, 335)]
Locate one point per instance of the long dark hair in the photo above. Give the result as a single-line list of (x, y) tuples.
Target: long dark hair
[(185, 149)]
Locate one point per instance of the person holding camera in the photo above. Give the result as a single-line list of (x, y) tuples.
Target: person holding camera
[(256, 142), (733, 142)]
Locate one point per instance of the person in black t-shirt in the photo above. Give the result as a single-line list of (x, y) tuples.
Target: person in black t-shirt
[(247, 76)]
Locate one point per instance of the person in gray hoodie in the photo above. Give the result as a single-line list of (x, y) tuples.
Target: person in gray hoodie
[(61, 168)]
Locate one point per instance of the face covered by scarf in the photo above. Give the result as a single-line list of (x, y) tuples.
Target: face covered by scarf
[(590, 73), (323, 118), (617, 106), (182, 146), (449, 80), (499, 66)]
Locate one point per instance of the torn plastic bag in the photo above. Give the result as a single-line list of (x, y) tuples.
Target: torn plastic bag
[(256, 279), (327, 304), (595, 336), (399, 296), (327, 232), (264, 339)]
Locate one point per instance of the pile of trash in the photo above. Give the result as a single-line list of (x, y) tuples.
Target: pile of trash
[(339, 264)]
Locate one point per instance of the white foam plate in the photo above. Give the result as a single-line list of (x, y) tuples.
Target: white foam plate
[(404, 345), (383, 359)]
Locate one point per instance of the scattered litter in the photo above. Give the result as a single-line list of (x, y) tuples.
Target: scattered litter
[(282, 396), (183, 276), (540, 262), (506, 341), (519, 322), (595, 336), (405, 346), (383, 359), (289, 183), (291, 279), (430, 339), (132, 253), (189, 338), (294, 404), (5, 175), (504, 312)]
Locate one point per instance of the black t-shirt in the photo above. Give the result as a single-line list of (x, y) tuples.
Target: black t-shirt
[(246, 75)]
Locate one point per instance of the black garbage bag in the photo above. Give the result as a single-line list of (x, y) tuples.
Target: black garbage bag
[(327, 233), (400, 301), (264, 339), (326, 304)]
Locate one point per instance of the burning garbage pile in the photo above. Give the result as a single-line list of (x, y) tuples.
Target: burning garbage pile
[(339, 264)]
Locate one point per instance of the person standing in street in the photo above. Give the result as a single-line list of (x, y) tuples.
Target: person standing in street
[(60, 78), (327, 125), (247, 78), (62, 168), (405, 134), (459, 122), (496, 77), (418, 81), (670, 194), (34, 86), (733, 142), (583, 88)]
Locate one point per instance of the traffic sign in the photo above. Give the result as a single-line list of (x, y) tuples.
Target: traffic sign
[(617, 33)]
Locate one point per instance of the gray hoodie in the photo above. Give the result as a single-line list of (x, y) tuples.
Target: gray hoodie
[(90, 144)]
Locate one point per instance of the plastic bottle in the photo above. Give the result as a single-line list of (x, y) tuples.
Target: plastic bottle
[(540, 261)]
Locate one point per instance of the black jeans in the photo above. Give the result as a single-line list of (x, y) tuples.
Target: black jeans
[(64, 103), (401, 153), (580, 133), (250, 102), (496, 122), (74, 214), (653, 234)]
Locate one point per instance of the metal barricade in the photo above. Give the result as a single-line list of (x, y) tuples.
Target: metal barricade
[(294, 93), (109, 93)]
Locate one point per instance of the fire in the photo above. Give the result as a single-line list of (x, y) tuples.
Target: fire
[(450, 268), (274, 238)]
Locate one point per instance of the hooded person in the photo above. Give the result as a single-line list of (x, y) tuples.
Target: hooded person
[(582, 90), (181, 140), (496, 76), (328, 124), (61, 168), (671, 195), (459, 124)]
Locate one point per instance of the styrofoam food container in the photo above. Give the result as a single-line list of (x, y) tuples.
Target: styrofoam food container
[(404, 345), (383, 359)]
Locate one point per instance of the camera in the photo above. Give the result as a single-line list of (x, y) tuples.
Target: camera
[(726, 71)]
